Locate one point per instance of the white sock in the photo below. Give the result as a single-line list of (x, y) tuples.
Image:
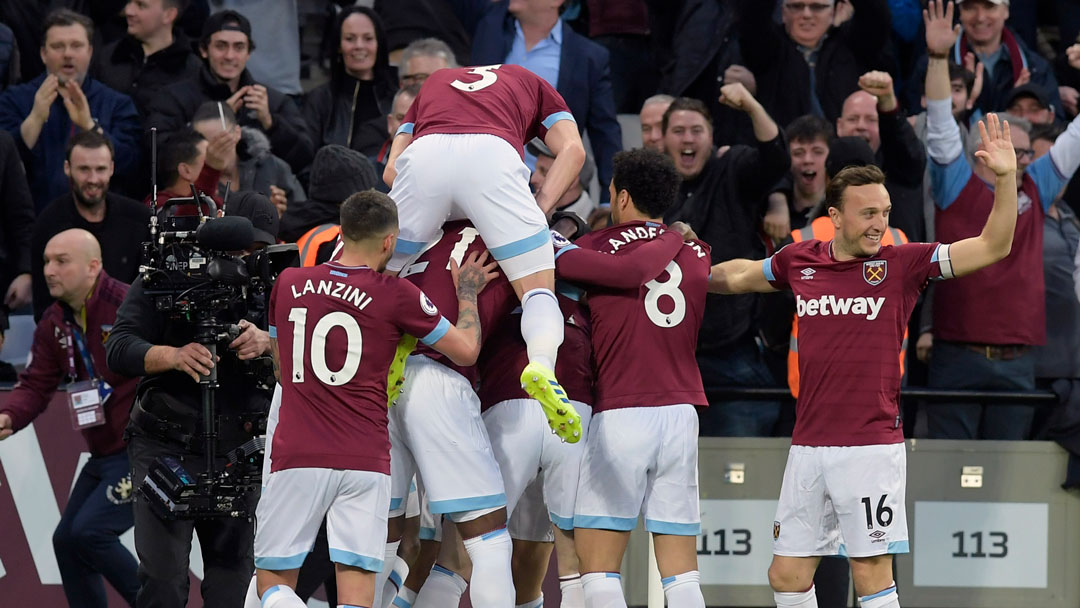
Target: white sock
[(394, 580), (603, 590), (882, 599), (541, 326), (573, 594), (251, 600), (405, 598), (280, 596), (684, 590), (389, 556), (537, 603), (443, 588), (492, 583), (798, 599)]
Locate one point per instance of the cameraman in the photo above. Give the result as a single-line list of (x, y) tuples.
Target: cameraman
[(166, 420)]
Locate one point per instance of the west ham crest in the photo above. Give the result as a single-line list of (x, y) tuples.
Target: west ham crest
[(874, 271)]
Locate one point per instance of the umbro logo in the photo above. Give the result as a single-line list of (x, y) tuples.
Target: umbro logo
[(807, 273), (877, 534)]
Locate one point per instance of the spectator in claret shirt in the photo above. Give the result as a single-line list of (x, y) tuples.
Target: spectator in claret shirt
[(1007, 61), (982, 342)]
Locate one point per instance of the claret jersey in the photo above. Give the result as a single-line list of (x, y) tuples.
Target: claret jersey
[(852, 315), (337, 328), (644, 338), (431, 273), (507, 101)]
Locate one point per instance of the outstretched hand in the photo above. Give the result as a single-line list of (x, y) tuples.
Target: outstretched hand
[(996, 150), (940, 32), (474, 273)]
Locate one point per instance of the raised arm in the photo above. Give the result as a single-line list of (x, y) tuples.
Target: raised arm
[(995, 241), (634, 269), (741, 276), (401, 141), (565, 142), (943, 134)]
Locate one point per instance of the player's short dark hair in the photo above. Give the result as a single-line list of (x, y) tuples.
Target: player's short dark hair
[(368, 214), (63, 17), (180, 147), (209, 110), (649, 177), (689, 104), (808, 128), (90, 140), (851, 176)]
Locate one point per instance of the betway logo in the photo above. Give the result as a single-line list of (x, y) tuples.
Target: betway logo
[(831, 305)]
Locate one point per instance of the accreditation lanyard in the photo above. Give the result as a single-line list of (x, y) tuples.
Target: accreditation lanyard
[(87, 398)]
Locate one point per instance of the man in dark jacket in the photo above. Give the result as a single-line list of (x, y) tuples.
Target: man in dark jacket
[(810, 66), (44, 113), (576, 66), (151, 57), (69, 343), (873, 114), (119, 223), (723, 200), (1007, 61), (226, 45)]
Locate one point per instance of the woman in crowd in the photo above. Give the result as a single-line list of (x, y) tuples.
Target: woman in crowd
[(350, 110)]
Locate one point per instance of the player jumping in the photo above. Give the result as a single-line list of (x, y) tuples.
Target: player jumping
[(458, 154)]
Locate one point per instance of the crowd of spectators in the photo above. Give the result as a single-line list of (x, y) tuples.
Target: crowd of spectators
[(756, 101)]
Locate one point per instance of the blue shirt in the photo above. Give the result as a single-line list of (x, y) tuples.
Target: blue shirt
[(543, 58)]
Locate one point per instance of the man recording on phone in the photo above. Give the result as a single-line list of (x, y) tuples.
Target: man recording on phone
[(173, 353)]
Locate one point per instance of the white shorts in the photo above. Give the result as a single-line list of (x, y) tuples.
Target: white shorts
[(478, 176), (437, 434), (412, 503), (271, 424), (530, 519), (430, 524), (641, 460), (292, 508), (528, 451), (842, 501)]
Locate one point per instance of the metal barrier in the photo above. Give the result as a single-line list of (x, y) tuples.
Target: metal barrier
[(989, 525), (922, 394)]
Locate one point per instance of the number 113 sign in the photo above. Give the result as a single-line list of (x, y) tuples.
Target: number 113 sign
[(981, 544)]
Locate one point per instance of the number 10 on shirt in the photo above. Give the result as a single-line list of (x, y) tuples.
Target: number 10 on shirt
[(333, 320)]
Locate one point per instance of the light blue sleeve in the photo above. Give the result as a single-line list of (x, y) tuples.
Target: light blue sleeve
[(948, 180), (1048, 179)]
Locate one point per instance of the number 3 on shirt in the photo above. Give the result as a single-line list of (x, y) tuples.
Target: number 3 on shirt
[(488, 78), (669, 288), (355, 341)]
